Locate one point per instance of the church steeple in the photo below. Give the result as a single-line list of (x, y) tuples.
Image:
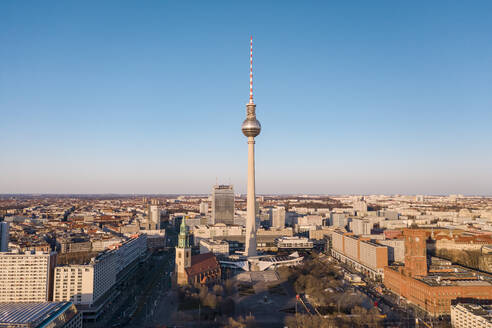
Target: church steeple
[(183, 239)]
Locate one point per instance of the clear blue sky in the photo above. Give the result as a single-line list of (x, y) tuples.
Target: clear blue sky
[(148, 96)]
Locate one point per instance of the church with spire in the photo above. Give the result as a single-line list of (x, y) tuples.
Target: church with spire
[(201, 268)]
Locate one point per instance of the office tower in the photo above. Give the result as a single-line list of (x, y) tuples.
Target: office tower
[(26, 277), (278, 217), (222, 204), (154, 217), (251, 128), (4, 236), (203, 208)]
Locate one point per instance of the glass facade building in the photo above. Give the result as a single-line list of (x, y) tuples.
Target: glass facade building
[(223, 204)]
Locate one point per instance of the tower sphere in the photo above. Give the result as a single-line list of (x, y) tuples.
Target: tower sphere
[(251, 127)]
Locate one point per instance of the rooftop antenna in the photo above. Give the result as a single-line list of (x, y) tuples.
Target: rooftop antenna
[(251, 72)]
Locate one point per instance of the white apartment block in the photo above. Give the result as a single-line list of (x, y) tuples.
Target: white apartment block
[(84, 284), (315, 220), (396, 249), (278, 217), (363, 254), (361, 227), (471, 316), (26, 277)]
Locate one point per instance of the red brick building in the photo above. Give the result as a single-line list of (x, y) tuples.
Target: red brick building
[(432, 288), (204, 269)]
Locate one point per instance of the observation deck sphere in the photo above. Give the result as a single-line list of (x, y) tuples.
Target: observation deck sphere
[(251, 127)]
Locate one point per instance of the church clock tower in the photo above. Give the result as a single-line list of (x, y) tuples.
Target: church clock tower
[(183, 255)]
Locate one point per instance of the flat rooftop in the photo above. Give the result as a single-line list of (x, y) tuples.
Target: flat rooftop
[(32, 315), (484, 311)]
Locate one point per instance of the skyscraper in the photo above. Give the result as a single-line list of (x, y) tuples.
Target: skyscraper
[(251, 128), (4, 236), (223, 204), (154, 217)]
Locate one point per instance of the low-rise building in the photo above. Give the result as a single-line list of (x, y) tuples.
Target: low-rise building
[(218, 247), (293, 243), (40, 315)]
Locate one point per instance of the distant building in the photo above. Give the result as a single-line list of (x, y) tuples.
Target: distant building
[(4, 236), (469, 315), (40, 315), (361, 227), (203, 208), (154, 218), (278, 217), (339, 220), (74, 245), (293, 243), (222, 204), (26, 277), (360, 207)]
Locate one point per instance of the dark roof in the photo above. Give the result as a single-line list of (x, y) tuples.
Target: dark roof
[(30, 314), (202, 263)]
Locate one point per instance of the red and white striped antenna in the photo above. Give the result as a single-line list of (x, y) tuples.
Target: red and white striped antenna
[(251, 72)]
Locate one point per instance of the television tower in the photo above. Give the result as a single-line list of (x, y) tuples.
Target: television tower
[(251, 128)]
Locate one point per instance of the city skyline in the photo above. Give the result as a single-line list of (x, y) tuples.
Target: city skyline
[(388, 99)]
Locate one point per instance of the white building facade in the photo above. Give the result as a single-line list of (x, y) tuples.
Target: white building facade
[(26, 277)]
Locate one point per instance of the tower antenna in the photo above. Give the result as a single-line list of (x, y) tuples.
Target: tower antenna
[(251, 71)]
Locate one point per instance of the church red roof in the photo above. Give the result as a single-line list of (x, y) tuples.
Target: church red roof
[(202, 263)]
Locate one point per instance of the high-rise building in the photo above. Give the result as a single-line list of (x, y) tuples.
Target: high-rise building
[(223, 204), (278, 217), (84, 284), (154, 218), (4, 236), (251, 128), (26, 277)]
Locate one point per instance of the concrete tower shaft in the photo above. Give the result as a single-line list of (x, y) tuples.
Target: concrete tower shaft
[(251, 128)]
